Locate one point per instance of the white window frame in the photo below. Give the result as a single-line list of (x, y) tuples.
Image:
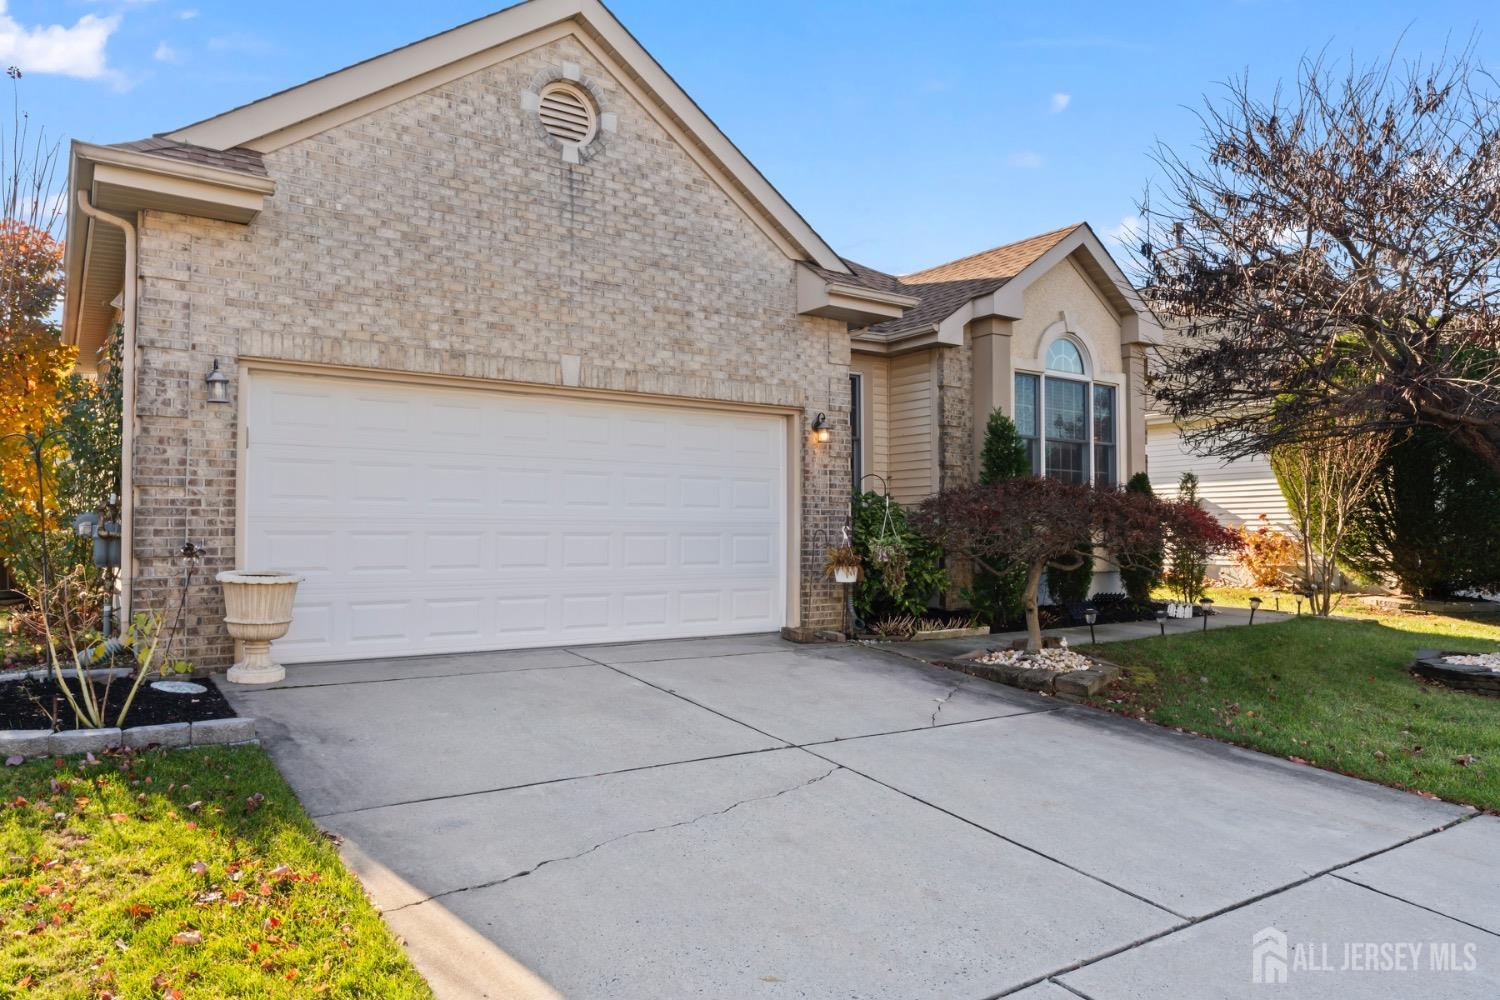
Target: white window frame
[(1038, 440)]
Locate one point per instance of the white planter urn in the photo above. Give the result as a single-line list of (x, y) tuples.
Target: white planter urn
[(845, 574), (257, 611)]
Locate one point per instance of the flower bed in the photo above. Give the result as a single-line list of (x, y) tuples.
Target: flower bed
[(34, 701)]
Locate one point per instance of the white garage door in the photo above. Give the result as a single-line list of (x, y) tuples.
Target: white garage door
[(432, 519)]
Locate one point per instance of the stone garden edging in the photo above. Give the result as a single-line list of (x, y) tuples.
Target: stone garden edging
[(38, 743), (1432, 665), (1074, 685)]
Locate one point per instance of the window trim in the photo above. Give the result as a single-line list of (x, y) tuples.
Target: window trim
[(1036, 442), (856, 430)]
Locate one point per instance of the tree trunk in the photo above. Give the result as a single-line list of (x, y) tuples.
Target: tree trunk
[(1033, 620)]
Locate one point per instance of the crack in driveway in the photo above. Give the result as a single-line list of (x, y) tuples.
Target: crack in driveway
[(943, 701), (624, 836)]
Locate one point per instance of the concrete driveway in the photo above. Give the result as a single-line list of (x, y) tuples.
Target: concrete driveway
[(741, 817)]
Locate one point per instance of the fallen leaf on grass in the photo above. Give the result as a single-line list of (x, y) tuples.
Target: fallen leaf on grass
[(1465, 759), (14, 760), (198, 868), (191, 938)]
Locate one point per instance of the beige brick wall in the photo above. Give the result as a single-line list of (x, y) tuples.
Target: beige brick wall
[(443, 235)]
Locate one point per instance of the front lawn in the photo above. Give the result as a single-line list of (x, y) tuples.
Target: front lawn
[(1334, 693), (180, 874)]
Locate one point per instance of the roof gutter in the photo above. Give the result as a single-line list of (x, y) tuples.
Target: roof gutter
[(127, 415)]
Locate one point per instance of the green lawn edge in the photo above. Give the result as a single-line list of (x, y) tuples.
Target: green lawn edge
[(1334, 693), (180, 873)]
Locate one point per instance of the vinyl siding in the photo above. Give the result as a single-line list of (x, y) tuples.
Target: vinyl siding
[(913, 426), (1236, 492)]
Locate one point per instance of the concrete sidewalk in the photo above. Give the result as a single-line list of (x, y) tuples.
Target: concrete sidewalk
[(742, 817)]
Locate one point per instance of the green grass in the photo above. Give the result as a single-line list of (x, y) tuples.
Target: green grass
[(191, 871), (1333, 693)]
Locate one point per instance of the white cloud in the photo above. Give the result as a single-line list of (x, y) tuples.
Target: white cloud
[(76, 51), (1130, 231), (187, 15), (1059, 102), (1027, 158), (165, 53), (241, 41)]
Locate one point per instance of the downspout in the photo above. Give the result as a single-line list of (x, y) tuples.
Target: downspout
[(127, 417)]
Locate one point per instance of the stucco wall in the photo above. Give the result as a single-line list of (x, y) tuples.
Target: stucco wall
[(1064, 288), (443, 235)]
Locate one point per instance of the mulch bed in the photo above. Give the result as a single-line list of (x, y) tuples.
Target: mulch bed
[(25, 704)]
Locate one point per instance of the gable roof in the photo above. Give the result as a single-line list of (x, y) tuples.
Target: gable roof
[(283, 117), (946, 289), (1004, 262)]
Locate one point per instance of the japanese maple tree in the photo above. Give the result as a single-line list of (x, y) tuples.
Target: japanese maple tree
[(1045, 523)]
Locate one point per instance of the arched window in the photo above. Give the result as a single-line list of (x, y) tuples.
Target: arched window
[(1064, 356), (1068, 421)]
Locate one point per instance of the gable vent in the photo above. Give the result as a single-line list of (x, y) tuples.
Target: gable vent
[(567, 114)]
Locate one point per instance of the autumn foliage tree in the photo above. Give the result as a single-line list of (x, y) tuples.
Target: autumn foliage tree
[(34, 364), (1044, 523), (1332, 259)]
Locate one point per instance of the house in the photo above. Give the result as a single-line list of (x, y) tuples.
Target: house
[(499, 342), (1236, 491)]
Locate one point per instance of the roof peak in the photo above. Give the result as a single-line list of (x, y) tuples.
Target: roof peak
[(1004, 261)]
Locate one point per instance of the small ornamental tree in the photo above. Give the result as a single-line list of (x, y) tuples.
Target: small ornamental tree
[(1046, 523), (1187, 572), (1145, 569), (1003, 457)]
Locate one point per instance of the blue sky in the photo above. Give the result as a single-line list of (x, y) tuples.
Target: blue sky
[(907, 133)]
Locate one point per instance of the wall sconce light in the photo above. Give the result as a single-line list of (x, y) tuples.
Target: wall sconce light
[(822, 433), (218, 385)]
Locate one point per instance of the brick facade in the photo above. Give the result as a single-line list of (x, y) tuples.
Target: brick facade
[(444, 235)]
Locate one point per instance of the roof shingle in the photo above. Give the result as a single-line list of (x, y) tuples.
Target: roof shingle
[(239, 159), (1005, 261), (945, 288)]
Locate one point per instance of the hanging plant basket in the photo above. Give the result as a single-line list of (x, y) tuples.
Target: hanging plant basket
[(842, 564)]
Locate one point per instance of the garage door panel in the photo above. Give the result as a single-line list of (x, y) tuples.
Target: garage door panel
[(559, 520)]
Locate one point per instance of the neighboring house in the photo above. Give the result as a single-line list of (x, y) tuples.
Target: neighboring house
[(1237, 492), (520, 350)]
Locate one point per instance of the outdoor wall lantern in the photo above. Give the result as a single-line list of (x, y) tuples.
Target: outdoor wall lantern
[(1254, 607), (822, 433), (1091, 615), (1207, 604), (218, 385)]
